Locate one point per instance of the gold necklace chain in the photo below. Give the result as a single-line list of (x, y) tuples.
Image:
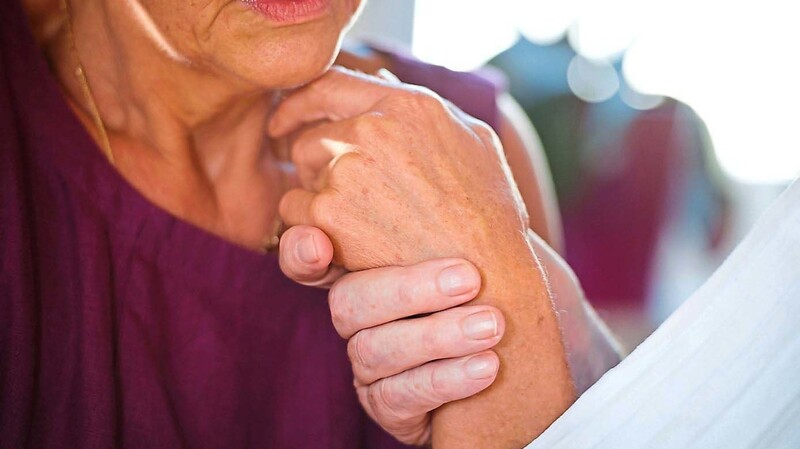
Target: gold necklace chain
[(80, 74), (270, 242)]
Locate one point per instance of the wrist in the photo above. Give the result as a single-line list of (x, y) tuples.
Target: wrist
[(512, 269), (534, 385)]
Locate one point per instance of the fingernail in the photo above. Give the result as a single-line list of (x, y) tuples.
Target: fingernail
[(456, 280), (481, 366), (306, 250), (480, 326)]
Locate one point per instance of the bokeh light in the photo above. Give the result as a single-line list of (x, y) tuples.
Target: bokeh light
[(735, 63), (592, 81), (462, 35)]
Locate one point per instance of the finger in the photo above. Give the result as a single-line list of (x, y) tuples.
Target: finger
[(313, 151), (398, 346), (305, 257), (296, 206), (279, 146), (400, 400), (373, 297), (337, 95)]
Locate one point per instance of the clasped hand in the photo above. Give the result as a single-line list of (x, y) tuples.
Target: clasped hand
[(399, 188)]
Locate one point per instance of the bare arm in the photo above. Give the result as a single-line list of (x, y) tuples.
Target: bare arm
[(533, 386), (531, 171), (591, 349)]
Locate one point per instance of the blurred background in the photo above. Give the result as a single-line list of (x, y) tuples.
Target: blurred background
[(669, 126)]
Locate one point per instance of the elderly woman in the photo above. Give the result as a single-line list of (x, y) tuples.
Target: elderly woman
[(142, 190)]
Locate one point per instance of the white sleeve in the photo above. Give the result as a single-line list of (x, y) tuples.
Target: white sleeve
[(722, 372)]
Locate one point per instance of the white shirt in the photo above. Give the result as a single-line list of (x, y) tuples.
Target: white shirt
[(722, 372)]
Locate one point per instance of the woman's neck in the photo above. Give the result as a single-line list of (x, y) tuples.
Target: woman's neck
[(190, 137), (143, 87)]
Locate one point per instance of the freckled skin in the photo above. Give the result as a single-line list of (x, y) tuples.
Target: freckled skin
[(444, 193)]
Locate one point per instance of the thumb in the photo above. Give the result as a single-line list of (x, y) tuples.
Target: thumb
[(305, 256)]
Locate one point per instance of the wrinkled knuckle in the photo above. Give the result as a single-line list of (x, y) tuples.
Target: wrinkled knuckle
[(340, 178), (482, 129), (417, 100), (369, 125), (485, 133), (344, 168), (406, 292), (337, 175), (431, 341), (360, 354), (422, 386), (438, 386), (349, 159), (385, 402), (340, 312), (426, 99)]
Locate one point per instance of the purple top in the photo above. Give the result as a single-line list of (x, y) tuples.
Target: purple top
[(121, 325)]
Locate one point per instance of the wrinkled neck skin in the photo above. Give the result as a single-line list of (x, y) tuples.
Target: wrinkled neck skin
[(189, 135), (147, 90)]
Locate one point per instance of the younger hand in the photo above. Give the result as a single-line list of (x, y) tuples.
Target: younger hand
[(405, 365)]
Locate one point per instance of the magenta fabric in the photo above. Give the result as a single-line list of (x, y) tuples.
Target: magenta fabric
[(615, 268), (122, 326), (473, 92)]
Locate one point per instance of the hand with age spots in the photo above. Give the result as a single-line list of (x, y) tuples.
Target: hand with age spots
[(395, 177)]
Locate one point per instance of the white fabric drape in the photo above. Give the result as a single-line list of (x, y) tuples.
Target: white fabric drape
[(722, 372)]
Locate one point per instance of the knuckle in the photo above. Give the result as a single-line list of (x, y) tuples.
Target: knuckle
[(485, 133), (347, 172), (430, 340), (360, 354), (426, 99), (407, 293), (340, 312), (418, 100), (385, 401), (341, 169), (322, 212), (368, 125), (424, 388), (438, 385)]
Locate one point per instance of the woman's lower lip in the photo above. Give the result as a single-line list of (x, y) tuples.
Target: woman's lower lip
[(289, 12)]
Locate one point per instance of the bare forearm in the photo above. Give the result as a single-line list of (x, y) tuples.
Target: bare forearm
[(591, 349), (534, 385)]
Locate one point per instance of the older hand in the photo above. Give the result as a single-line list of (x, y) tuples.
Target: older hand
[(396, 176), (404, 365)]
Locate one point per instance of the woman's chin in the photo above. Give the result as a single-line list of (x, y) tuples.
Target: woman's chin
[(279, 64), (289, 76)]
